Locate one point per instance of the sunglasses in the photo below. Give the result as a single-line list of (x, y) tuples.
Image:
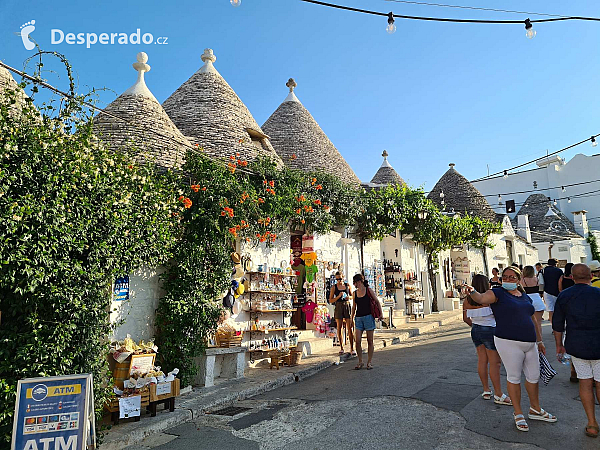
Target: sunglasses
[(510, 277), (339, 279)]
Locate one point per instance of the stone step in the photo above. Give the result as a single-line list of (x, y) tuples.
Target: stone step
[(315, 345)]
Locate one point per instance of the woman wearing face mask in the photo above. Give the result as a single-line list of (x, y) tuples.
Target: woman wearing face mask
[(518, 338)]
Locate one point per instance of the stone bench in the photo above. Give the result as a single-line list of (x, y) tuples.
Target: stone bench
[(220, 362)]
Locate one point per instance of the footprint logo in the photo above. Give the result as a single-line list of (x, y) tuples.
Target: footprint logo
[(26, 29)]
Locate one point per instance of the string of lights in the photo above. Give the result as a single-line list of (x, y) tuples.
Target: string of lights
[(474, 8), (391, 28), (532, 191), (506, 172)]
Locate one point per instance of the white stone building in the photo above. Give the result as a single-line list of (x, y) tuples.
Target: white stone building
[(549, 178)]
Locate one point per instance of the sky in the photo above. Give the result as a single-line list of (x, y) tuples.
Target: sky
[(479, 96)]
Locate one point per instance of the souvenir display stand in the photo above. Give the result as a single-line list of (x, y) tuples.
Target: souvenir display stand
[(413, 295), (271, 294), (135, 375)]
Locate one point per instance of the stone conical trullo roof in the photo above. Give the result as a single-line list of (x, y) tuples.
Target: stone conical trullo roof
[(460, 196), (386, 173), (148, 126), (546, 222), (301, 143), (7, 82), (209, 113)]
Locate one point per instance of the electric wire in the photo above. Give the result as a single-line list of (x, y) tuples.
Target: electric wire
[(442, 19), (475, 8)]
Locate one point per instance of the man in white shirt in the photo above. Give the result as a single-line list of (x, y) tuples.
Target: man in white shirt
[(540, 277)]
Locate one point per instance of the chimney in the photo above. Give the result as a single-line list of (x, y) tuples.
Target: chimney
[(523, 227), (580, 222)]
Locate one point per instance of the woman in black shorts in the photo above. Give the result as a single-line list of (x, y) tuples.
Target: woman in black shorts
[(340, 296)]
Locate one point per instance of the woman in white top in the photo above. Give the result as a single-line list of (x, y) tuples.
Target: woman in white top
[(482, 323)]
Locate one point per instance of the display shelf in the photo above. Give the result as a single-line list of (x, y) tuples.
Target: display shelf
[(265, 350), (271, 273), (271, 329), (271, 292), (271, 310)]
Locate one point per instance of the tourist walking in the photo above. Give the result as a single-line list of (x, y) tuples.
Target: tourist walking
[(518, 338), (579, 307), (566, 281), (363, 318), (481, 320), (595, 269), (539, 269), (530, 284), (551, 276), (340, 297), (495, 280)]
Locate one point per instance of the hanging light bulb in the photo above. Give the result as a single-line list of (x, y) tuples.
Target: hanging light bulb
[(530, 32), (555, 202), (499, 199), (569, 200), (391, 27), (562, 188), (505, 176), (594, 143), (442, 194), (235, 3)]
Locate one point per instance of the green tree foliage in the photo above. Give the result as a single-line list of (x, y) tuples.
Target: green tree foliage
[(74, 216)]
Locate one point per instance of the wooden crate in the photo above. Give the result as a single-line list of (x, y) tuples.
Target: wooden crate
[(122, 371), (113, 405), (228, 339), (175, 384)]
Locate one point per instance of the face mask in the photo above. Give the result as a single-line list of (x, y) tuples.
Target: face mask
[(509, 286)]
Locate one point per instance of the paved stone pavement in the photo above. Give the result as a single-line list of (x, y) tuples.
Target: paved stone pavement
[(422, 394)]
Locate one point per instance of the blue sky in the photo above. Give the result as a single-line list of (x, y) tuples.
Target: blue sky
[(432, 93)]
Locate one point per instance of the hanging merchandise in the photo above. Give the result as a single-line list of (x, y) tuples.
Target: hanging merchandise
[(308, 309), (311, 269)]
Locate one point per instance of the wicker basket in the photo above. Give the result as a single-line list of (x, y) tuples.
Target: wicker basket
[(293, 359), (228, 337)]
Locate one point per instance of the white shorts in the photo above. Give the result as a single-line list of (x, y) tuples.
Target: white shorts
[(587, 368), (538, 303), (550, 301)]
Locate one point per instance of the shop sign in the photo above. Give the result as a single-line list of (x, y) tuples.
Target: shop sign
[(121, 291), (130, 406), (54, 412)]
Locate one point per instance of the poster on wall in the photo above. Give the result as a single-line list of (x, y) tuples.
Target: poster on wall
[(54, 412), (121, 291)]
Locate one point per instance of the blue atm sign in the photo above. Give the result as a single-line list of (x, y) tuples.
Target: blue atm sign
[(54, 413)]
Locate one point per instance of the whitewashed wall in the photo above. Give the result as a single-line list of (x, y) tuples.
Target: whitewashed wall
[(574, 250), (136, 315)]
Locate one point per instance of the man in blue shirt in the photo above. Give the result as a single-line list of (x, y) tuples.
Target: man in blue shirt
[(579, 306), (551, 276)]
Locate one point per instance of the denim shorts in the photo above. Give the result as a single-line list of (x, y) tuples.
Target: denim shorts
[(483, 335), (365, 323)]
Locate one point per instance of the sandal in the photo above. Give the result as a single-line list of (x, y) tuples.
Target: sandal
[(359, 366), (592, 427), (341, 352), (487, 395), (542, 415), (520, 422), (353, 353), (503, 400), (369, 366)]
